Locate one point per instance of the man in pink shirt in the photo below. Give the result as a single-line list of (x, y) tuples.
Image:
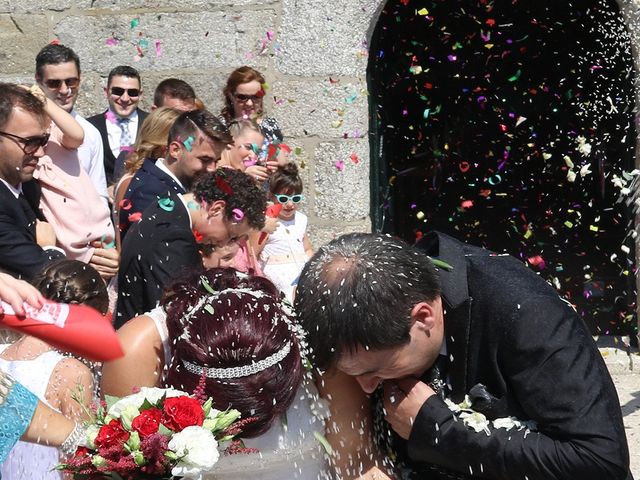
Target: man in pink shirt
[(70, 201)]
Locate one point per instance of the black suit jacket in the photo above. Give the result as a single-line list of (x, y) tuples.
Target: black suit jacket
[(508, 329), (157, 250), (20, 255), (147, 186), (112, 164)]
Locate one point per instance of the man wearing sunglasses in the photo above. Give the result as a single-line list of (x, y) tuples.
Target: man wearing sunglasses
[(23, 136), (58, 75), (120, 123)]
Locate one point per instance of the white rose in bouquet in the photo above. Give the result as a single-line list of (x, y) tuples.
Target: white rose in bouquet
[(198, 449), (152, 394)]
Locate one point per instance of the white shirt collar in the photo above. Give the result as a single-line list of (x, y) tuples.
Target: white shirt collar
[(163, 166), (16, 191)]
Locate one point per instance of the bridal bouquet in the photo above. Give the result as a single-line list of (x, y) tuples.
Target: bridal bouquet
[(154, 433)]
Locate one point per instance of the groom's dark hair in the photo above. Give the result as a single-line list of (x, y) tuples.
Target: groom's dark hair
[(358, 291)]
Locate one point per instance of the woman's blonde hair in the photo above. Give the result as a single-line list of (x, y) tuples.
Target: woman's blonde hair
[(153, 137), (238, 127)]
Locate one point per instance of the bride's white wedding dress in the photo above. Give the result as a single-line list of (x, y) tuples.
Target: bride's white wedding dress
[(289, 449)]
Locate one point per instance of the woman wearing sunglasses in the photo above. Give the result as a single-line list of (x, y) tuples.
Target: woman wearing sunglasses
[(243, 95), (284, 252)]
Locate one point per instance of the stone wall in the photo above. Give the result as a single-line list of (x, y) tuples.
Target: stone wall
[(313, 54)]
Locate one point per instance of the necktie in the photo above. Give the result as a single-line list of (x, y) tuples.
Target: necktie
[(125, 136)]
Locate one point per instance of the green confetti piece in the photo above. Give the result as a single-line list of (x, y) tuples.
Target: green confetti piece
[(134, 23), (166, 204), (324, 442), (351, 98), (425, 114), (441, 264), (207, 286), (209, 309), (516, 76)]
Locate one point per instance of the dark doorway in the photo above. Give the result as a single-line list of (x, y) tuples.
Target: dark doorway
[(503, 123)]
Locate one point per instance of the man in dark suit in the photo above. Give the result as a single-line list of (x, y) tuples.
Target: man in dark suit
[(120, 123), (222, 207), (479, 324), (23, 124), (196, 142)]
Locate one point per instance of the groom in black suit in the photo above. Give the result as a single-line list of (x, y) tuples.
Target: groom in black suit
[(476, 324), (23, 126), (120, 123)]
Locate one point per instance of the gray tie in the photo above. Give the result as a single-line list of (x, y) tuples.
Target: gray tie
[(125, 136)]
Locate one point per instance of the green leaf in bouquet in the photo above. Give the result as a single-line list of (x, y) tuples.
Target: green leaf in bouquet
[(138, 457), (226, 418), (98, 461), (133, 443), (110, 400), (206, 407), (162, 430), (226, 438), (171, 455), (146, 404)]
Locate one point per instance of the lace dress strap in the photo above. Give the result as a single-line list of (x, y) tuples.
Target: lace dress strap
[(159, 317), (17, 405)]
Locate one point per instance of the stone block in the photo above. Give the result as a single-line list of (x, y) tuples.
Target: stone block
[(319, 37), (168, 41), (29, 6), (91, 99), (208, 86), (171, 4), (321, 108), (21, 37), (341, 180), (322, 232), (19, 79)]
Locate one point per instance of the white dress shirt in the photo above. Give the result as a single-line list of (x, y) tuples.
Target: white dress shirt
[(114, 132), (91, 156)]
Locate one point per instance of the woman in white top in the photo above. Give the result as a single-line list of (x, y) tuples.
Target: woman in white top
[(62, 383), (235, 330)]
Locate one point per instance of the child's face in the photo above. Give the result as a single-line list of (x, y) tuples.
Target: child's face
[(245, 146), (289, 206)]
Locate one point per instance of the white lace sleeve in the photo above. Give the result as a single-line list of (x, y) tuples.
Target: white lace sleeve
[(159, 318)]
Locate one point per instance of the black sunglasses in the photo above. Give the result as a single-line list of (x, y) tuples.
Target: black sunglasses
[(242, 97), (119, 91), (54, 84), (29, 145)]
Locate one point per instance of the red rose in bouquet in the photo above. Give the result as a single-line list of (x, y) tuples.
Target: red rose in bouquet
[(113, 433), (182, 412), (147, 422)]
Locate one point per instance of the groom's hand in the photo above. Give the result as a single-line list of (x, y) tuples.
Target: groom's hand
[(403, 399)]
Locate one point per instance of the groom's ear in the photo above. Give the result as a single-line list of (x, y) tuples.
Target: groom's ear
[(216, 208), (425, 315)]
